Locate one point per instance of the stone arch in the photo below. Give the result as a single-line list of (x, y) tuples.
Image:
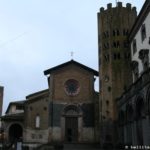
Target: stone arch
[(15, 132), (72, 110)]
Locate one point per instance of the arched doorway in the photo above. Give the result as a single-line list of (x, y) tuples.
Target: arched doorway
[(71, 129), (15, 132), (71, 116)]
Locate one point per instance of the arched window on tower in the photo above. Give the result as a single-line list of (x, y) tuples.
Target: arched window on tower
[(106, 56), (118, 44), (118, 56), (37, 121), (125, 32), (117, 32), (114, 33)]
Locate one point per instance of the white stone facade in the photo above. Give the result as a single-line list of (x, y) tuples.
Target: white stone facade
[(140, 44)]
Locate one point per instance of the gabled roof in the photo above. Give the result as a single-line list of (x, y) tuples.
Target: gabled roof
[(20, 103), (46, 72), (37, 93), (139, 21)]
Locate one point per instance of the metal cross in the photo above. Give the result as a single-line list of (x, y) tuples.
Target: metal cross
[(72, 53)]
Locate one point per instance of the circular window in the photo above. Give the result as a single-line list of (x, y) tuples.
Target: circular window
[(72, 87)]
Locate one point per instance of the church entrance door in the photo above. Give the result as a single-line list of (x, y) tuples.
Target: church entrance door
[(71, 129)]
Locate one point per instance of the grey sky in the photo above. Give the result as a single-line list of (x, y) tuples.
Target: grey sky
[(38, 34)]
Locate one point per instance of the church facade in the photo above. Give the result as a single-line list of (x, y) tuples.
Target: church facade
[(66, 112)]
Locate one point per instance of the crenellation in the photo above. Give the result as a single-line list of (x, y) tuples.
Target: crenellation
[(102, 9), (134, 9), (119, 4), (109, 6), (128, 6)]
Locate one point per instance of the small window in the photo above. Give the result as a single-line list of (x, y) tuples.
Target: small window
[(114, 33), (107, 33), (126, 45), (143, 32), (125, 32), (106, 57), (107, 45), (107, 102), (18, 107), (118, 32), (115, 56), (37, 121), (114, 45), (118, 44), (109, 89), (118, 55), (45, 108), (134, 46)]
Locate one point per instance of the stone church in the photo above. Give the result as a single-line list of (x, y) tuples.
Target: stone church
[(65, 112), (71, 111)]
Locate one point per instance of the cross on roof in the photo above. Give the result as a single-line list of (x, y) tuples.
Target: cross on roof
[(72, 53)]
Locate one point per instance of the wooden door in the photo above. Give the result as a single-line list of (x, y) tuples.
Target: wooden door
[(71, 129)]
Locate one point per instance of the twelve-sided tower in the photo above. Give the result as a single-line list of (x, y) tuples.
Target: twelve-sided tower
[(114, 25)]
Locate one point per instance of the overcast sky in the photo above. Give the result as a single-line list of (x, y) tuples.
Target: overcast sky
[(39, 34)]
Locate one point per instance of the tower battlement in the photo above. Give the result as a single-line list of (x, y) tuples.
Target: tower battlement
[(118, 5)]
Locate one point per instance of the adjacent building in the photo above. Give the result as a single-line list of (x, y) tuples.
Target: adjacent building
[(134, 104)]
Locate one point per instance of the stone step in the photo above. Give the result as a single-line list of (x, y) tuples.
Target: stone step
[(81, 146), (70, 146)]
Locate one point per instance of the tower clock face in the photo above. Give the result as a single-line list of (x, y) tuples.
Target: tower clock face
[(72, 87)]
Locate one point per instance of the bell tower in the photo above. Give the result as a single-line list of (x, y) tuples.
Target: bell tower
[(114, 25)]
